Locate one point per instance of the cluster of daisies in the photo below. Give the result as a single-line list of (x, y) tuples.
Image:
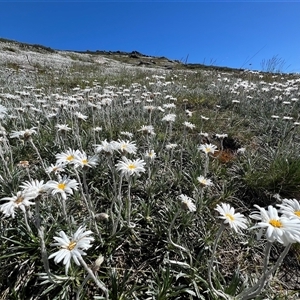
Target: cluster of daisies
[(280, 224), (65, 186), (284, 228)]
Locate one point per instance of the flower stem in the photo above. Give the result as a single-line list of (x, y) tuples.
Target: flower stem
[(210, 266), (38, 154), (26, 222), (98, 282), (206, 164), (40, 230), (256, 289), (174, 244), (120, 203), (129, 202)]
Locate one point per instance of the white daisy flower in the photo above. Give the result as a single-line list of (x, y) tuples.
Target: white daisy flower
[(126, 133), (149, 108), (221, 136), (107, 147), (187, 203), (80, 116), (147, 129), (189, 125), (126, 147), (241, 150), (23, 134), (171, 146), (130, 167), (284, 230), (34, 186), (208, 148), (237, 221), (97, 129), (189, 113), (204, 181), (205, 134), (169, 105), (62, 127), (169, 118), (275, 117), (71, 248), (83, 160), (290, 208), (67, 157), (57, 168), (21, 200), (63, 186), (204, 118), (150, 154)]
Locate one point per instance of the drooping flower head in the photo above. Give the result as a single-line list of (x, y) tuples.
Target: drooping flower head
[(171, 146), (221, 136), (34, 187), (80, 116), (56, 169), (126, 133), (187, 203), (21, 200), (23, 134), (106, 147), (147, 129)]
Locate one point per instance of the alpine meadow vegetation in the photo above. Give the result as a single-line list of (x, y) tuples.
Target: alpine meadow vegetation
[(130, 177)]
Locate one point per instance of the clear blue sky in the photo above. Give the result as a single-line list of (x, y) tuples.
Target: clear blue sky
[(234, 34)]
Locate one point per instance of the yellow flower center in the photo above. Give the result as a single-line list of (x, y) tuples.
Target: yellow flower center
[(131, 167), (61, 186), (71, 245), (230, 217), (19, 200), (275, 223), (297, 213), (70, 157), (84, 161)]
